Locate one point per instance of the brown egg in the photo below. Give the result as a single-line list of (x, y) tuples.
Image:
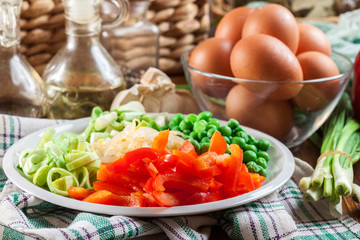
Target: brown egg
[(263, 57), (317, 95), (274, 20), (312, 39), (230, 26), (212, 55), (272, 117)]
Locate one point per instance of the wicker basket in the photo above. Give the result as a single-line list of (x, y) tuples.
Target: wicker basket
[(182, 23)]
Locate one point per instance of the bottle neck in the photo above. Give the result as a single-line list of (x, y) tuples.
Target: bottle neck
[(9, 23), (138, 9), (82, 30), (82, 17)]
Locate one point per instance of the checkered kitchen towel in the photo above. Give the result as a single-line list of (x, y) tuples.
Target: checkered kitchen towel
[(281, 215)]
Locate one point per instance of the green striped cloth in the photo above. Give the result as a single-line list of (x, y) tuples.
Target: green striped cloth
[(281, 215)]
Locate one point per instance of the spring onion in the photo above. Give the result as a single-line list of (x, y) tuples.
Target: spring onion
[(340, 149)]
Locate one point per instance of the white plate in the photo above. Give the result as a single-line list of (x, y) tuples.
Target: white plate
[(280, 169)]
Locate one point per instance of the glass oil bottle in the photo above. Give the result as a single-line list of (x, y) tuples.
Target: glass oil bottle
[(22, 91), (82, 74)]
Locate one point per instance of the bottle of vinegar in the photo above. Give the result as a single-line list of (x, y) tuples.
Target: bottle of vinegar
[(82, 74)]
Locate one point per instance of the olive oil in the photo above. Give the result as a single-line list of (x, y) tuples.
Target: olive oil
[(78, 103)]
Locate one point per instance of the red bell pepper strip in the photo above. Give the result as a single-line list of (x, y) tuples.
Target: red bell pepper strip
[(257, 179), (119, 190), (133, 157), (188, 158), (180, 182), (187, 147), (245, 182), (160, 141), (79, 193), (217, 143), (205, 165), (165, 199), (215, 185), (109, 198), (203, 197), (166, 163), (126, 179), (232, 170)]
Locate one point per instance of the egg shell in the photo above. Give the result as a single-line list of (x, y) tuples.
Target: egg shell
[(213, 56), (263, 57), (272, 117), (231, 25), (312, 39), (317, 95), (274, 20)]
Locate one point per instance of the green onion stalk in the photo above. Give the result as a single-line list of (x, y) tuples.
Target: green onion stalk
[(339, 142)]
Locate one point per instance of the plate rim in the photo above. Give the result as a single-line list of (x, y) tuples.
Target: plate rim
[(9, 167)]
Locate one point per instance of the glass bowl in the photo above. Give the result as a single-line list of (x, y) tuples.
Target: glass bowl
[(291, 119)]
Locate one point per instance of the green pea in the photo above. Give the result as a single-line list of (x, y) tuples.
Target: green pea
[(186, 131), (249, 156), (172, 124), (253, 167), (233, 123), (176, 128), (204, 146), (225, 131), (227, 139), (262, 172), (205, 139), (202, 134), (177, 118), (163, 128), (194, 135), (242, 135), (264, 155), (185, 125), (215, 122), (191, 117), (195, 143), (239, 129), (199, 126), (263, 144), (206, 115), (239, 141), (251, 140), (154, 125), (261, 162), (251, 147), (210, 132)]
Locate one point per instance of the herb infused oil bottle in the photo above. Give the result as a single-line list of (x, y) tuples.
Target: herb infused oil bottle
[(82, 74)]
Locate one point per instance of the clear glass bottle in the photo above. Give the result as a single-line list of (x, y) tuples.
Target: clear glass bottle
[(22, 90), (135, 42), (82, 74)]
